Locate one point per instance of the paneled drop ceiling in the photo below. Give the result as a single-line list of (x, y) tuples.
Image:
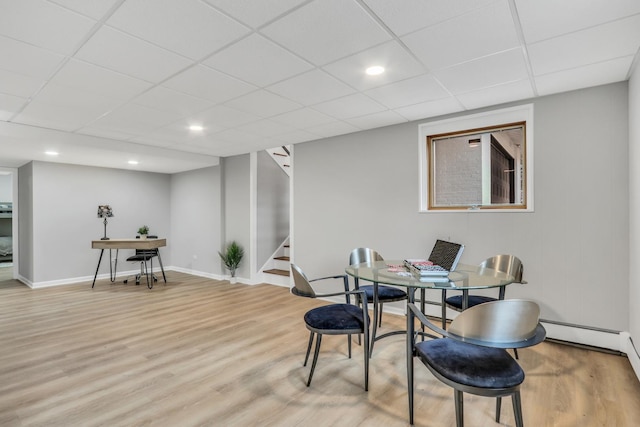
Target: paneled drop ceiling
[(106, 81)]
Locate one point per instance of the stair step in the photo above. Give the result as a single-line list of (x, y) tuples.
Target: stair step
[(278, 272), (283, 258)]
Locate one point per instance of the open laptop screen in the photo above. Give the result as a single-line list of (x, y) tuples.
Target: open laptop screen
[(446, 254)]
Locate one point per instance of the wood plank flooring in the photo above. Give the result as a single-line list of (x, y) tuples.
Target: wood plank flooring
[(201, 352)]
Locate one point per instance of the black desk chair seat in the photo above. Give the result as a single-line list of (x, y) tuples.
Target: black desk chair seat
[(143, 256)]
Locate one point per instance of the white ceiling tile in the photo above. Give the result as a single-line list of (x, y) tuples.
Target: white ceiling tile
[(135, 119), (120, 52), (9, 105), (263, 103), (303, 118), (105, 133), (497, 94), (28, 60), (567, 16), (478, 33), (208, 84), (408, 92), (235, 136), (188, 27), (55, 116), (258, 61), (95, 9), (350, 106), (266, 128), (222, 116), (489, 71), (297, 136), (397, 62), (18, 84), (79, 98), (96, 79), (601, 73), (323, 31), (602, 43), (177, 133), (376, 120), (407, 16), (255, 13), (169, 100), (333, 129), (311, 88), (43, 24), (428, 109)]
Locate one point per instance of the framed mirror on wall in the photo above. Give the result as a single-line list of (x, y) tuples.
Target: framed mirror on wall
[(481, 162)]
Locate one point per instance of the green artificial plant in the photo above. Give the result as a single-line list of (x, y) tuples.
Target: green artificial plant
[(232, 257)]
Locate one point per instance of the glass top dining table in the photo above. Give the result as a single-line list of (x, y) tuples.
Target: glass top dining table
[(464, 278)]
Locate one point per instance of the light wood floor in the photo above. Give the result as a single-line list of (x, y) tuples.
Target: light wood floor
[(200, 352)]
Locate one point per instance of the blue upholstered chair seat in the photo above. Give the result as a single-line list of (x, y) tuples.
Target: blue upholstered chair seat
[(471, 365), (337, 317), (456, 301), (385, 293)]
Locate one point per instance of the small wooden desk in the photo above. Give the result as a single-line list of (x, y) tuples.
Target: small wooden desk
[(118, 244)]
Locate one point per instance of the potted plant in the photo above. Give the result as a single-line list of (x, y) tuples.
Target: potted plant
[(143, 231), (231, 258)]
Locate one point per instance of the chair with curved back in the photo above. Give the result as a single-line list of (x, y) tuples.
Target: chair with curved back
[(508, 264), (334, 319), (472, 356), (376, 294)]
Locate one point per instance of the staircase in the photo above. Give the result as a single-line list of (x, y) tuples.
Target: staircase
[(281, 264)]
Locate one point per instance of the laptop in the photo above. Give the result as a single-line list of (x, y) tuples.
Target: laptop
[(446, 255)]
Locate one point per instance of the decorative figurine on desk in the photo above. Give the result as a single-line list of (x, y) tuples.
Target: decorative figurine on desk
[(231, 259), (143, 231), (104, 211)]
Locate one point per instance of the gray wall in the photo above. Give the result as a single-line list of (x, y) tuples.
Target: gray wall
[(362, 190), (63, 207), (634, 197), (237, 203), (272, 207), (196, 216), (6, 188), (25, 221)]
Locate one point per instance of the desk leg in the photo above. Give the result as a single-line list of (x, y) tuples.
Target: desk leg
[(465, 299), (113, 271), (161, 267), (97, 268)]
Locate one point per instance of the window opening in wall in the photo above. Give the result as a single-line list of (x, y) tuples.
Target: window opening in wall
[(482, 168)]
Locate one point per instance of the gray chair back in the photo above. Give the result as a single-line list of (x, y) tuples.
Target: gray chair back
[(361, 255), (507, 264), (301, 285), (498, 322)]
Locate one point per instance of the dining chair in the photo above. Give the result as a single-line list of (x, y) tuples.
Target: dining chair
[(376, 294), (472, 356), (334, 319), (508, 264)]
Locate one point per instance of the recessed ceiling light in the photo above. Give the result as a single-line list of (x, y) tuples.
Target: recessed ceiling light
[(133, 162), (51, 153), (196, 128), (375, 70)]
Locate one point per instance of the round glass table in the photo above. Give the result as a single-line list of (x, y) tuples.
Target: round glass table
[(393, 272)]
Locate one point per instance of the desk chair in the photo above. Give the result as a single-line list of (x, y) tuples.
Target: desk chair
[(472, 358), (384, 293), (142, 256), (334, 319)]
